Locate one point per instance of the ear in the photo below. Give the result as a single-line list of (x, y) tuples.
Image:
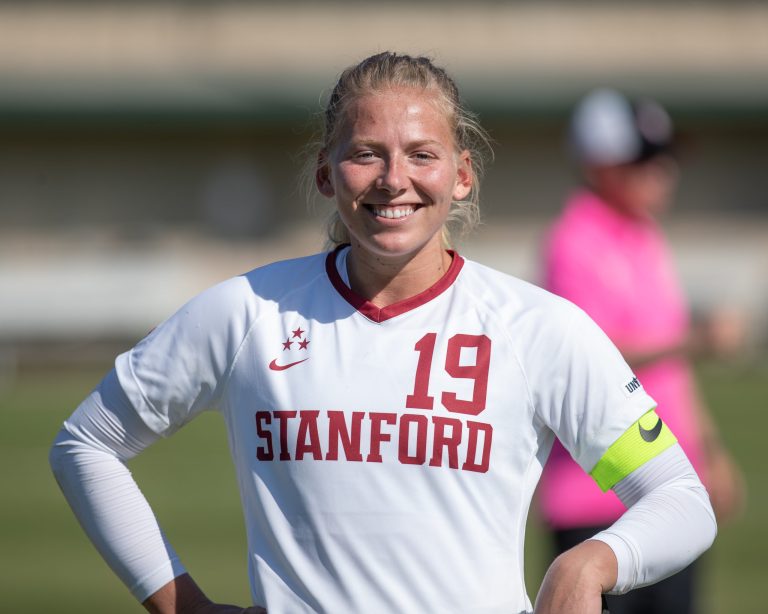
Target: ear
[(323, 175), (464, 176)]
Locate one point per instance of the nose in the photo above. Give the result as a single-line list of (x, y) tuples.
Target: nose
[(393, 178)]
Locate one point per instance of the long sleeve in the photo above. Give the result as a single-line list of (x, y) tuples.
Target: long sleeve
[(668, 524), (88, 459)]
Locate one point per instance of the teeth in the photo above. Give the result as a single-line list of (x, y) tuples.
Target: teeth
[(393, 213)]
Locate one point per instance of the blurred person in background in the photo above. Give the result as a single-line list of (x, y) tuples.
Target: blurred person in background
[(607, 254)]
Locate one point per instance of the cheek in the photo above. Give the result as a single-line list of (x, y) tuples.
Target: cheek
[(441, 182), (349, 189), (341, 181), (354, 177)]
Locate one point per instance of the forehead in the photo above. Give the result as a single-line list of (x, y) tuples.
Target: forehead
[(398, 109)]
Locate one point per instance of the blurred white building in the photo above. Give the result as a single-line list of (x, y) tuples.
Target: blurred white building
[(148, 149)]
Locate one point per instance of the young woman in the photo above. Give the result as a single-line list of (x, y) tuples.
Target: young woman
[(389, 404)]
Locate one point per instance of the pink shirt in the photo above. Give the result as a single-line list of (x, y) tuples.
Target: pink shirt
[(619, 270)]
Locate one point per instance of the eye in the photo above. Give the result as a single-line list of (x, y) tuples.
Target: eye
[(364, 155), (423, 156)]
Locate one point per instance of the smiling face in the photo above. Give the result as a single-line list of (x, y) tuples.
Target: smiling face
[(394, 172)]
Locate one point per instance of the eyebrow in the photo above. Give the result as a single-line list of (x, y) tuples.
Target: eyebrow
[(417, 143)]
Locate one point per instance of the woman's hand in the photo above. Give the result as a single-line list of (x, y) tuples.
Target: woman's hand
[(182, 595), (576, 580), (220, 608)]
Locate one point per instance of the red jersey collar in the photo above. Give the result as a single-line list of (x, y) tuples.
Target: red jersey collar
[(380, 314)]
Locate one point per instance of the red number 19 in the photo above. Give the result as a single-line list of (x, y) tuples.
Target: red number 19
[(478, 372)]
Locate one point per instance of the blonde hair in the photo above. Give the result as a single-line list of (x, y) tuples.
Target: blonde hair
[(387, 70)]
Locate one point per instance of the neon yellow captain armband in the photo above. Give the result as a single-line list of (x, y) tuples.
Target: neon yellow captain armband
[(646, 438)]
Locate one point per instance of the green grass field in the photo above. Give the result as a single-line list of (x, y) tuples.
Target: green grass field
[(47, 564)]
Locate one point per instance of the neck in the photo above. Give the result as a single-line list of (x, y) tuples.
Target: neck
[(385, 281)]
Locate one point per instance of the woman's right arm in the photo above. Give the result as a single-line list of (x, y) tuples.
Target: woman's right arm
[(88, 460)]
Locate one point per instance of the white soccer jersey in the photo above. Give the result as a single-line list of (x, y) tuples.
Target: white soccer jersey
[(386, 458)]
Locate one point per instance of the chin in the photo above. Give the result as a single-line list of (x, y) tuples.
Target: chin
[(392, 247)]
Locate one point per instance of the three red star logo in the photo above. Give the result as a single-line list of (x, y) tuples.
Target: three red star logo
[(303, 344)]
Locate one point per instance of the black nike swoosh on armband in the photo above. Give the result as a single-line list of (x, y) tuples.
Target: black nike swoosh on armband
[(652, 434)]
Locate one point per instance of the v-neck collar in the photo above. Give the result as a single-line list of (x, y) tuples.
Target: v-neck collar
[(380, 314)]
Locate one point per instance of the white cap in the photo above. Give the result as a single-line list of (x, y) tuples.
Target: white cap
[(609, 129)]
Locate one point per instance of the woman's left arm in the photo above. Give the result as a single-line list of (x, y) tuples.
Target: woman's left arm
[(669, 523)]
